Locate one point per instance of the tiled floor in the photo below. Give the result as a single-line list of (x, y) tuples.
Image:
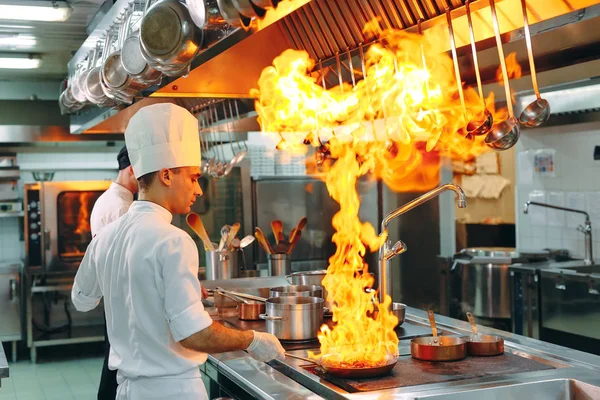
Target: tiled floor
[(58, 380)]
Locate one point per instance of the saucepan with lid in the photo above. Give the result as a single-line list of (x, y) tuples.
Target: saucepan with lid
[(483, 345), (438, 348)]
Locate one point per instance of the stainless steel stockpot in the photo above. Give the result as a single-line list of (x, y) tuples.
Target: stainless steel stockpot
[(294, 318), (310, 278), (297, 290)]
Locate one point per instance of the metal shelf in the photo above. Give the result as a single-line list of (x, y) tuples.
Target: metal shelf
[(12, 214), (78, 334)]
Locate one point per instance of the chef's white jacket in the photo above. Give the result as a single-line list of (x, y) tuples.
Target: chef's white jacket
[(110, 206), (147, 271)]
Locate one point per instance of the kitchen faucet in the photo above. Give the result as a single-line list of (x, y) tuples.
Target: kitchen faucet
[(585, 229), (387, 252)]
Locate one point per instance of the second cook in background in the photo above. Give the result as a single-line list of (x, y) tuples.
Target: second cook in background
[(147, 270), (109, 207)]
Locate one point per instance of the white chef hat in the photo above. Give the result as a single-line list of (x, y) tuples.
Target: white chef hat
[(162, 136)]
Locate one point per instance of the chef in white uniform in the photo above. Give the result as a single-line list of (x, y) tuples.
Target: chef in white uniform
[(147, 271), (109, 207), (118, 197)]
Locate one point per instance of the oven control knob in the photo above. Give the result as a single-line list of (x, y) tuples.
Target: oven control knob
[(34, 236), (33, 204), (34, 225), (33, 215)]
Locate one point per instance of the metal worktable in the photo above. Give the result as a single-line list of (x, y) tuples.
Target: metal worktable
[(3, 365), (569, 372)]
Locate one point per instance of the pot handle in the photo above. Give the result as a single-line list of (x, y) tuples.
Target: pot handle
[(288, 279), (269, 318)]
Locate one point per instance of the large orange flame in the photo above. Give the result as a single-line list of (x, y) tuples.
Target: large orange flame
[(395, 123), (83, 216)]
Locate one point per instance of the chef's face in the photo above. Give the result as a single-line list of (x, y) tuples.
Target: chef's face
[(185, 189)]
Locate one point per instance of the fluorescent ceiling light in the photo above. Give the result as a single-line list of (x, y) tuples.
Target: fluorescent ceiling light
[(19, 61), (33, 10), (16, 41), (17, 26)]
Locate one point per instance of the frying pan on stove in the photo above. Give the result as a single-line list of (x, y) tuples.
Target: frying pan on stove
[(350, 373)]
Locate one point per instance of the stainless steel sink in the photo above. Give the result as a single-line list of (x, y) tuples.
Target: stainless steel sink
[(556, 389)]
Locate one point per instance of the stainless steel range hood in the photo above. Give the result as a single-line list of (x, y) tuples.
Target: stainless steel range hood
[(325, 28), (571, 98)]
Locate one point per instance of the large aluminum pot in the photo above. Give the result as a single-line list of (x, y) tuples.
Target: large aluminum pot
[(294, 318), (168, 36), (310, 278), (483, 278), (297, 290)]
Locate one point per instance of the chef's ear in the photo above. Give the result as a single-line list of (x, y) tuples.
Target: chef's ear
[(165, 176)]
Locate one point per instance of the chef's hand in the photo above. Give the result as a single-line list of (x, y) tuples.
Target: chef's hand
[(265, 347), (205, 293)]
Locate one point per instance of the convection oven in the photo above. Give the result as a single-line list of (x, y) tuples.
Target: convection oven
[(57, 223)]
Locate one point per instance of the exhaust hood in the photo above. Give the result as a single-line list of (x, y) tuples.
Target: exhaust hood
[(330, 29), (571, 98)]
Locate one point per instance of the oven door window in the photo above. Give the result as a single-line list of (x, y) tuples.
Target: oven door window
[(74, 233)]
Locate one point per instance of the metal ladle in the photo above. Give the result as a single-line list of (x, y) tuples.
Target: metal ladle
[(505, 134), (455, 62), (538, 112), (482, 122)]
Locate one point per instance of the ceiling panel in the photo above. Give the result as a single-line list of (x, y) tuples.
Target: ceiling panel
[(55, 41)]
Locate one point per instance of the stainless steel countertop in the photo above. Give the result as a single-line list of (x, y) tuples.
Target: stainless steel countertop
[(3, 364), (265, 381)]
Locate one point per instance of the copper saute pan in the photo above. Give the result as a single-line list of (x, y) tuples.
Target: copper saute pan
[(248, 310), (483, 345), (438, 348)]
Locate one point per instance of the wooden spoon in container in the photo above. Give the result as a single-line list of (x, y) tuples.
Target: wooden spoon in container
[(262, 239), (193, 220), (277, 227)]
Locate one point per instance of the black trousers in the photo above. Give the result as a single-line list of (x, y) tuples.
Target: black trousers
[(108, 381)]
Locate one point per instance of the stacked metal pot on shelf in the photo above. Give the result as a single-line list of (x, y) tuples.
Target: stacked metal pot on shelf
[(149, 40)]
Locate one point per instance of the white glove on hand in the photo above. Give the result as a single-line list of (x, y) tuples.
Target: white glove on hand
[(265, 347)]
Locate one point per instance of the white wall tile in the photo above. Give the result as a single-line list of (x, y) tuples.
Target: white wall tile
[(576, 185)]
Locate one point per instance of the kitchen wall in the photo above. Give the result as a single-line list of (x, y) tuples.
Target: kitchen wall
[(568, 177), (78, 163)]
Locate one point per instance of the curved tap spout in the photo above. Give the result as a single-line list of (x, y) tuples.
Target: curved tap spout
[(460, 201), (386, 254)]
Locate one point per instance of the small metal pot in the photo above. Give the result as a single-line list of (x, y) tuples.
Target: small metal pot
[(294, 318), (232, 16), (297, 290), (206, 14), (310, 278), (398, 309), (168, 36)]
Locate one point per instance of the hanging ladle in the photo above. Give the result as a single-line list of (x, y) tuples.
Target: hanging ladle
[(505, 134), (482, 122), (538, 112), (457, 68)]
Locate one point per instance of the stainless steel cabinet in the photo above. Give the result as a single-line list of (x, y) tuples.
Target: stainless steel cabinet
[(571, 306), (10, 305)]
